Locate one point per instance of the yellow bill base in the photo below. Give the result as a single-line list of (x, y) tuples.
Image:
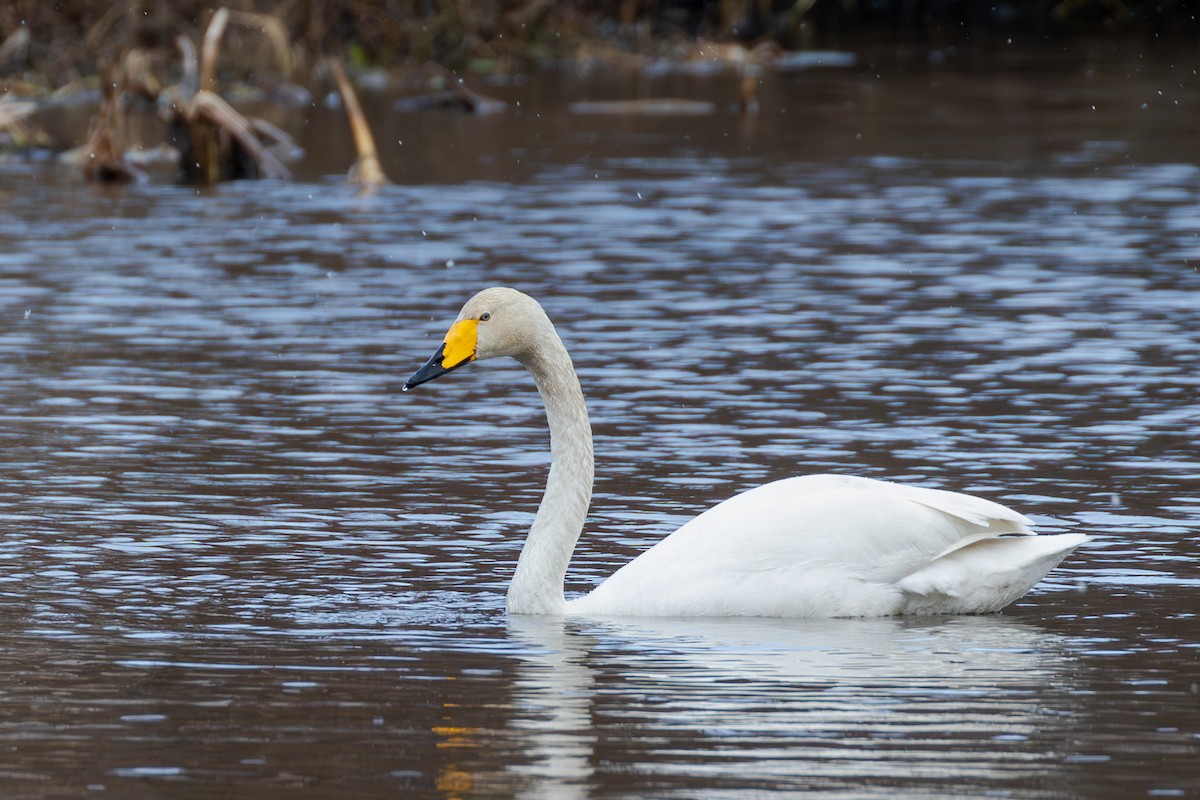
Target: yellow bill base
[(460, 343)]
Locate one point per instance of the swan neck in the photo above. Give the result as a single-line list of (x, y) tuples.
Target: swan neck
[(537, 585)]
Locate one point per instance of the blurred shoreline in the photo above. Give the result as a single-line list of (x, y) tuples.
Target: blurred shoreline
[(48, 48)]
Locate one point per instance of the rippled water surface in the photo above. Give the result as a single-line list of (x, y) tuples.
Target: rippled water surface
[(238, 562)]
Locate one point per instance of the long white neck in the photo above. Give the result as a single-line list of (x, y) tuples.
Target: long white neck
[(537, 585)]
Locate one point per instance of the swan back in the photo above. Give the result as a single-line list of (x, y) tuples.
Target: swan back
[(835, 546)]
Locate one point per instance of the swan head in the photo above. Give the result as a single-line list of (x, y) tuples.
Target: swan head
[(495, 322)]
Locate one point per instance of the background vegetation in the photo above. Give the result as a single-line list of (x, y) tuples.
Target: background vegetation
[(53, 43)]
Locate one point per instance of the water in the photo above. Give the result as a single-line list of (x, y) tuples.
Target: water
[(239, 562)]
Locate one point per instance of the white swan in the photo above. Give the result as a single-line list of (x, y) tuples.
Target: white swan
[(812, 546)]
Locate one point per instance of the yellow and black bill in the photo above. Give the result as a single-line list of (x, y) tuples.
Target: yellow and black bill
[(456, 350)]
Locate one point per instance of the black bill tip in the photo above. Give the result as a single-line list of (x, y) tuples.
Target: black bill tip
[(432, 369)]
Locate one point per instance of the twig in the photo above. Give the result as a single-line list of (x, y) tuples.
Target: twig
[(211, 48), (368, 172)]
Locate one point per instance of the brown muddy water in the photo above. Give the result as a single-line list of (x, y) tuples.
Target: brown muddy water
[(238, 562)]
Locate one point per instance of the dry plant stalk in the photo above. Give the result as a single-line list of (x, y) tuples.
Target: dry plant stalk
[(218, 143), (210, 48), (213, 127), (139, 78), (104, 152), (269, 25), (15, 132), (13, 110), (189, 83), (15, 48), (367, 171)]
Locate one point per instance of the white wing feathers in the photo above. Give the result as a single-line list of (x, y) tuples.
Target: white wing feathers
[(976, 510), (833, 545)]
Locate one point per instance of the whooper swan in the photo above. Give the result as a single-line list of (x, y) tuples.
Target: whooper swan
[(811, 546)]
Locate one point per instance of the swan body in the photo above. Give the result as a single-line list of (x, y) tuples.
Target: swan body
[(809, 546)]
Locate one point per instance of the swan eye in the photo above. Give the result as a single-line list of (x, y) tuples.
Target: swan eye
[(485, 316)]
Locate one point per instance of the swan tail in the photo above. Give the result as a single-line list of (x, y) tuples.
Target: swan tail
[(986, 574)]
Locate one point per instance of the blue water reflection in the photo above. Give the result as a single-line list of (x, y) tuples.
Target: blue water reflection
[(960, 704)]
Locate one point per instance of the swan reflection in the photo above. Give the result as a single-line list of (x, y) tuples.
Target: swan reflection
[(760, 703)]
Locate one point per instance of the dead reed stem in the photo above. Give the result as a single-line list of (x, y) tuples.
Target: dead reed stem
[(367, 172)]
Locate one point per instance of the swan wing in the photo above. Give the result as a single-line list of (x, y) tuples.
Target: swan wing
[(820, 545)]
